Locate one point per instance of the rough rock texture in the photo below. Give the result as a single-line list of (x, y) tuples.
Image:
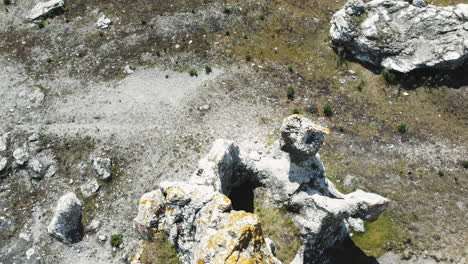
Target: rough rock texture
[(66, 222), (103, 167), (3, 142), (42, 9), (21, 155), (3, 163), (403, 37), (89, 188), (199, 218)]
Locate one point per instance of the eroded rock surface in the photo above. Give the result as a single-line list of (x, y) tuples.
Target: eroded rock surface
[(103, 168), (66, 223), (205, 227), (42, 9), (401, 36)]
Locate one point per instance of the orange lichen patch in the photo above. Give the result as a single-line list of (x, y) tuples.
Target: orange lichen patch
[(221, 202), (240, 241), (175, 194), (144, 202)]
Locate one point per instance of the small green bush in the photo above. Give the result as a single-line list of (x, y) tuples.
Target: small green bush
[(389, 76), (193, 73), (116, 240), (402, 128), (227, 10), (41, 25), (208, 69), (248, 58), (465, 164), (361, 85), (290, 93), (328, 110), (228, 33), (296, 111), (290, 68)]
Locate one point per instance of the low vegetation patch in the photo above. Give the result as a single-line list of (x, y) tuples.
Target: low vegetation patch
[(279, 227), (328, 110), (290, 93), (159, 251), (381, 236), (116, 240), (402, 128)]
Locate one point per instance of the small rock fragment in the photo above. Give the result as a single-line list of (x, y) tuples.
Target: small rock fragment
[(66, 223), (36, 168), (103, 168), (103, 22), (102, 238), (3, 163), (94, 225), (128, 70), (204, 107), (3, 142), (21, 156), (89, 188)]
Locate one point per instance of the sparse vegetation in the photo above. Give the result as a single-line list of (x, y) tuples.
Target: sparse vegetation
[(159, 251), (380, 236), (361, 85), (227, 10), (116, 240), (465, 164), (389, 76), (193, 73), (248, 57), (328, 110), (402, 128), (208, 69), (290, 68), (279, 227), (296, 111), (291, 93)]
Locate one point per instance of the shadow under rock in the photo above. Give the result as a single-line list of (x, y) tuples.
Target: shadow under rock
[(346, 252)]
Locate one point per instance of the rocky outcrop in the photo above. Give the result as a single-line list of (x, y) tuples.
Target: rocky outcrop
[(43, 9), (400, 36), (66, 222), (206, 226)]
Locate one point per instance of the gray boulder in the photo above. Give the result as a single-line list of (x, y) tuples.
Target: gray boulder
[(66, 222), (42, 9), (103, 168), (402, 37), (36, 169)]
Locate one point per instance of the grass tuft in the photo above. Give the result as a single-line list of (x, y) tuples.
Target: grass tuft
[(328, 110), (279, 227), (159, 250), (402, 128), (116, 240)]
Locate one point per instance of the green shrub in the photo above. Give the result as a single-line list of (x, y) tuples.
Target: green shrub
[(159, 250), (248, 57), (227, 10), (228, 33), (290, 93), (279, 227), (193, 73), (361, 85), (290, 68), (465, 164), (389, 76), (402, 128), (296, 111), (208, 69), (41, 25), (116, 240), (328, 110)]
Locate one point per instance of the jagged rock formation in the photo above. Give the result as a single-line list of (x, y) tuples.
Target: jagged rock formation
[(401, 36), (207, 227), (66, 223)]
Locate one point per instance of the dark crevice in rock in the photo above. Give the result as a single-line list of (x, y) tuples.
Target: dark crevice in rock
[(242, 197)]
